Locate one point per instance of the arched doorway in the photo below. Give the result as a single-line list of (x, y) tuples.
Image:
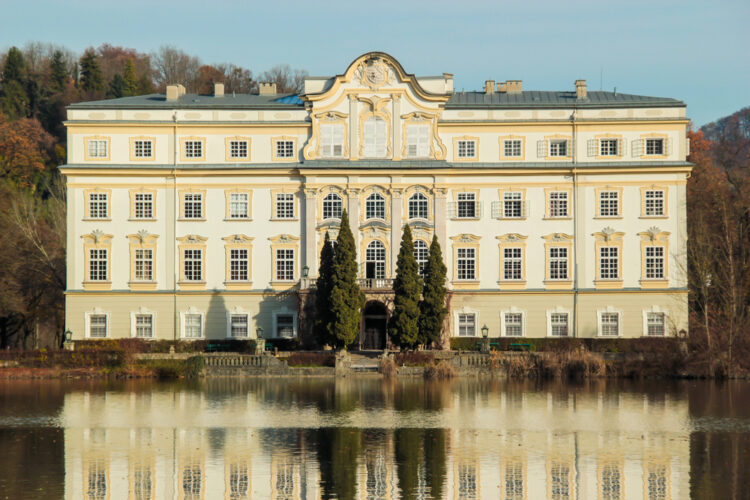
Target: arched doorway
[(374, 323)]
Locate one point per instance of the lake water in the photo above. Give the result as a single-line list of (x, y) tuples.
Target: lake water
[(373, 439)]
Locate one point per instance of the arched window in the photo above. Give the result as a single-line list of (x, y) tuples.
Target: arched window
[(421, 251), (418, 206), (332, 206), (375, 137), (375, 206), (375, 260)]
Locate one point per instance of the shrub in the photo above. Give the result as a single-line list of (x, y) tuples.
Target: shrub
[(465, 344), (387, 367), (441, 370), (312, 359), (413, 358)]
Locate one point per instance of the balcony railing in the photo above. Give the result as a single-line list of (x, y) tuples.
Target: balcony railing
[(375, 283)]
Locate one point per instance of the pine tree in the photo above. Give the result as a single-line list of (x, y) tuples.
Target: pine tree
[(117, 86), (14, 69), (432, 308), (91, 75), (404, 324), (58, 71), (323, 287), (131, 80), (14, 100), (347, 299)]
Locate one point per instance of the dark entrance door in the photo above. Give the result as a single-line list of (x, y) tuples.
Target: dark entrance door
[(374, 322)]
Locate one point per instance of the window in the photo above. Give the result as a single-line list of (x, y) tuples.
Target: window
[(284, 149), (512, 148), (238, 149), (512, 205), (375, 207), (558, 263), (467, 207), (239, 205), (97, 148), (611, 483), (97, 480), (655, 324), (513, 323), (193, 149), (467, 481), (144, 205), (421, 252), (375, 260), (284, 206), (144, 326), (558, 147), (418, 206), (467, 325), (143, 149), (466, 262), (193, 262), (467, 149), (98, 326), (332, 206), (653, 147), (193, 206), (417, 141), (285, 326), (98, 264), (512, 264), (239, 480), (142, 483), (238, 264), (193, 326), (514, 481), (609, 263), (559, 481), (654, 262), (558, 323), (144, 264), (609, 204), (654, 203), (608, 147), (657, 482), (285, 264), (332, 140), (558, 204), (98, 205), (375, 142), (192, 481), (609, 324), (238, 325)]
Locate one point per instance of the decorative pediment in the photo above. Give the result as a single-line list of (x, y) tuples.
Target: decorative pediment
[(142, 237), (238, 239), (654, 234), (466, 238), (376, 103), (423, 225), (97, 236), (284, 239), (608, 234), (558, 237), (375, 224), (511, 238), (192, 239), (329, 224)]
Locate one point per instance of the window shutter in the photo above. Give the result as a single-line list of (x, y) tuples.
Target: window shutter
[(478, 208), (496, 209), (541, 149), (571, 147), (621, 147), (592, 147), (667, 146), (525, 208), (636, 147)]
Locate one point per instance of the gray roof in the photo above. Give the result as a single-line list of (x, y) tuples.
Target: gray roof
[(555, 99), (526, 99)]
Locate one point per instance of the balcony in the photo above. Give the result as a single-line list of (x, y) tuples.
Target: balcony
[(364, 283)]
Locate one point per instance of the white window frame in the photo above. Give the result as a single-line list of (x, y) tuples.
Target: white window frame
[(375, 206), (95, 275), (656, 202), (559, 310), (466, 148), (134, 323), (559, 259), (375, 252), (97, 148), (141, 147), (651, 263), (605, 148), (466, 206), (332, 206), (193, 149), (236, 149), (199, 201), (284, 312), (183, 317), (375, 138), (143, 261), (556, 200), (556, 150), (606, 196), (240, 215), (239, 270), (503, 326), (473, 259), (512, 263), (599, 316), (421, 255), (610, 269), (102, 200), (238, 313), (512, 148), (655, 310), (144, 205), (418, 139), (200, 261), (285, 258), (87, 323), (654, 140), (332, 140), (284, 148), (419, 204), (511, 199), (457, 319), (285, 203)]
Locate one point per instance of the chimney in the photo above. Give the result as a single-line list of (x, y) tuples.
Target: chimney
[(267, 88), (489, 87), (218, 90), (581, 89), (180, 90), (172, 93), (513, 86), (502, 88)]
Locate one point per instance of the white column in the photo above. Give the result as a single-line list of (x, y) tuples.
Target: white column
[(441, 195), (397, 208)]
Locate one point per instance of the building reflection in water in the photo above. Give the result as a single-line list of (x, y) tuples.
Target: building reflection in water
[(365, 440)]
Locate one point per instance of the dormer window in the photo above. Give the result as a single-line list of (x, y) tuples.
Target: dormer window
[(417, 141), (375, 138), (332, 140)]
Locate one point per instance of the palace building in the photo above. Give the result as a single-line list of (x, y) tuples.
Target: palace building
[(559, 213)]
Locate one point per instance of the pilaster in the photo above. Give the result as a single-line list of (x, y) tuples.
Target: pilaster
[(397, 207), (395, 128), (310, 257), (353, 132)]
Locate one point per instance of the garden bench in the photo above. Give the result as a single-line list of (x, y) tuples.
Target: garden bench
[(519, 347), (217, 348)]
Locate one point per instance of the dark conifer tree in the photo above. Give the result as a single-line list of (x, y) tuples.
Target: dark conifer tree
[(432, 308), (347, 299), (404, 324), (58, 71), (91, 74), (323, 287)]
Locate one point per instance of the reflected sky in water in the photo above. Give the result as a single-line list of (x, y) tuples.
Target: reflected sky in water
[(372, 439)]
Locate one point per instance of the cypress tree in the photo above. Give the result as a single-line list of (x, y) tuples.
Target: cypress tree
[(91, 75), (347, 299), (432, 308), (58, 71), (323, 287), (404, 323), (131, 81)]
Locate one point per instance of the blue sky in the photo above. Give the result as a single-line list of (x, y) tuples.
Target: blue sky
[(696, 51)]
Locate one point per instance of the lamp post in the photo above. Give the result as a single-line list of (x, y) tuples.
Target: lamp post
[(485, 340), (260, 342), (68, 342)]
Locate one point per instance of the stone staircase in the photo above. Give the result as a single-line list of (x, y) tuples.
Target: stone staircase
[(364, 363)]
